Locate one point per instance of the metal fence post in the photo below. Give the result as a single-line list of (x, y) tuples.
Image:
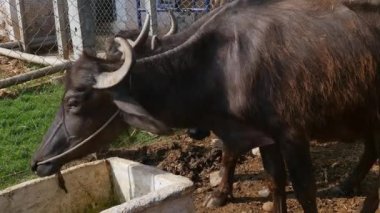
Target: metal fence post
[(82, 26), (10, 16), (60, 28), (150, 6), (20, 5)]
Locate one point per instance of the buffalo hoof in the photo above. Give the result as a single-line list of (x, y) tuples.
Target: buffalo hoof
[(215, 199), (338, 191), (343, 190), (371, 203)]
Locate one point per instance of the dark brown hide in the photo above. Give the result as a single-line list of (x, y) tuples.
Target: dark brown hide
[(289, 70), (161, 45)]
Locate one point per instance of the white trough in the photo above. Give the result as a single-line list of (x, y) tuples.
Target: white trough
[(112, 185)]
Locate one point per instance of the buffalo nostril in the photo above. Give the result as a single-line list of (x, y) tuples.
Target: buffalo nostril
[(198, 134)]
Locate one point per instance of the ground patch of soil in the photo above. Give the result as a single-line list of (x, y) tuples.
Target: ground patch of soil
[(9, 66), (197, 159)]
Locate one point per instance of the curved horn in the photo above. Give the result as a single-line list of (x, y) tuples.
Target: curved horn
[(153, 42), (173, 25), (143, 36), (108, 79)]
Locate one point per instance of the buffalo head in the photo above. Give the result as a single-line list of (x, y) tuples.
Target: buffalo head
[(89, 116)]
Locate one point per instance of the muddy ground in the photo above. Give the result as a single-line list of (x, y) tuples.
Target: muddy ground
[(197, 159)]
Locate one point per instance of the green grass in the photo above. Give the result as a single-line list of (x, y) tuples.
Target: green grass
[(23, 121)]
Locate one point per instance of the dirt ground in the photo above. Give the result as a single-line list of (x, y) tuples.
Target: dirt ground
[(9, 66), (197, 159)]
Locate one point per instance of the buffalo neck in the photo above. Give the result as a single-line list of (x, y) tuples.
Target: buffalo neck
[(172, 85)]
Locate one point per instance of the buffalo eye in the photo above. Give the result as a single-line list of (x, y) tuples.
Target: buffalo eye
[(81, 89)]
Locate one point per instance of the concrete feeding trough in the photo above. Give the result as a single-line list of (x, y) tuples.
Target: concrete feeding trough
[(111, 185)]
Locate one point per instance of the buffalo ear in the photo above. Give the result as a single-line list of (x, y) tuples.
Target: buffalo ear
[(135, 115)]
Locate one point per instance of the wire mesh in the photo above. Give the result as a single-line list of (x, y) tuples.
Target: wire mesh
[(55, 30)]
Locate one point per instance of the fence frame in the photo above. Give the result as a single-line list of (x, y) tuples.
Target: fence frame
[(60, 23), (21, 23)]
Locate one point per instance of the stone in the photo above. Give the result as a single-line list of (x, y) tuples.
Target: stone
[(200, 190), (256, 152), (235, 185), (215, 178), (264, 193), (217, 143), (268, 206)]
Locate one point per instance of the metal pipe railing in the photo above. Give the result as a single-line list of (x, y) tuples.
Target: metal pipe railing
[(32, 75), (30, 57)]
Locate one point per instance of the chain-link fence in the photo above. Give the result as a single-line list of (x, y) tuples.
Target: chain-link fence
[(58, 27), (39, 38), (52, 32)]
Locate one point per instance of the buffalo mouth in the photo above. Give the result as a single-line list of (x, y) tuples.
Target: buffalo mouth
[(45, 169)]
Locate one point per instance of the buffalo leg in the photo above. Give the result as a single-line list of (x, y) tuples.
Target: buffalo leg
[(367, 159), (274, 165), (247, 138), (371, 202), (220, 195), (298, 160)]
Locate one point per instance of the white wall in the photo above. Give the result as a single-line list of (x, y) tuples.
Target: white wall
[(126, 17), (38, 14), (8, 20)]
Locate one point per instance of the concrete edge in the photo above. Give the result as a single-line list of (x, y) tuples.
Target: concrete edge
[(40, 179), (152, 199), (183, 186)]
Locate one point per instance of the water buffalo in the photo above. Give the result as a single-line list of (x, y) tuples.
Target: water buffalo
[(153, 46), (272, 74)]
